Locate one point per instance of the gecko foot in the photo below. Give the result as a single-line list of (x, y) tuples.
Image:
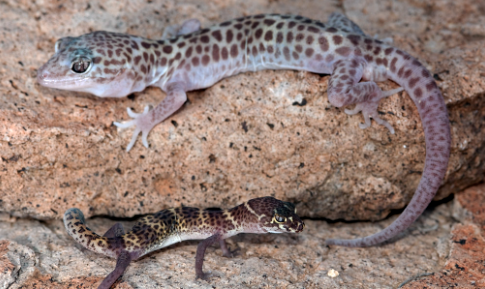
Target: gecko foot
[(231, 253), (204, 276), (142, 124), (369, 110)]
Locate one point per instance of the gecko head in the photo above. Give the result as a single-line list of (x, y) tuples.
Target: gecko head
[(276, 216), (87, 63)]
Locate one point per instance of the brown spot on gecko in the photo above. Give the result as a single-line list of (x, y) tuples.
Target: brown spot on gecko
[(224, 53), (344, 51), (313, 29), (198, 49), (217, 35), (337, 39), (188, 52), (295, 55), (309, 52), (215, 52), (279, 37), (280, 25), (418, 92), (195, 61), (323, 43), (389, 50), (268, 36), (354, 39), (234, 51), (286, 53), (137, 59), (229, 36), (393, 65), (299, 37), (291, 24), (167, 49), (309, 40), (269, 22), (204, 39), (238, 26)]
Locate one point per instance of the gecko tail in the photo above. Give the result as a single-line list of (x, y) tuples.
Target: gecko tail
[(108, 244)]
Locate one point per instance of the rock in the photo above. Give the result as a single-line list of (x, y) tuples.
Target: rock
[(464, 267), (255, 134), (50, 258)]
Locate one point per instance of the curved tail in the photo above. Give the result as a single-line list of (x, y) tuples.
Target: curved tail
[(75, 224), (421, 87)]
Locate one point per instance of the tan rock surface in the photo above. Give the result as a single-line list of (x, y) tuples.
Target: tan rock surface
[(465, 266)]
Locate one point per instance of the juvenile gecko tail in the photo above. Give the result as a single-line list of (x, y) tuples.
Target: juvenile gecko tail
[(421, 87), (75, 224)]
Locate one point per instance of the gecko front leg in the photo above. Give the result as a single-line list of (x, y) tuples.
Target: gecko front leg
[(144, 122)]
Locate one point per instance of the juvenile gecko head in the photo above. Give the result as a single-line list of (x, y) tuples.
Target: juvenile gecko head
[(96, 63), (276, 216)]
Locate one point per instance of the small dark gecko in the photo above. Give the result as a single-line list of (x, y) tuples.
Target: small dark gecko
[(111, 64), (169, 226)]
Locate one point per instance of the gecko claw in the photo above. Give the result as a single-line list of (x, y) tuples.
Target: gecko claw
[(138, 122)]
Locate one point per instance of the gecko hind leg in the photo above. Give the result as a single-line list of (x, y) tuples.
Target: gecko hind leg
[(341, 22), (369, 110), (115, 231), (225, 251), (344, 89), (199, 256)]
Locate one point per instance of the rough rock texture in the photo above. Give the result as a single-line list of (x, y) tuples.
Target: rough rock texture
[(465, 264), (247, 136)]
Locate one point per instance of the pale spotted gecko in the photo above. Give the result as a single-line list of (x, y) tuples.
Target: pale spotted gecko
[(113, 64), (169, 226)]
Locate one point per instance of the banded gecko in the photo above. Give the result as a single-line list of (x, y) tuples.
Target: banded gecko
[(169, 226), (114, 64)]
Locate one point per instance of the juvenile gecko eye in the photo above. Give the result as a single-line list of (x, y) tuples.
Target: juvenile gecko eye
[(280, 219), (80, 65)]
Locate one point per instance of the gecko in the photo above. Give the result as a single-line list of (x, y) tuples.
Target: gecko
[(169, 226), (115, 65)]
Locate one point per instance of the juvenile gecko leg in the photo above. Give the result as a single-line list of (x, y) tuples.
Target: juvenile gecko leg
[(115, 231), (199, 255), (122, 263), (144, 122), (225, 251), (344, 89)]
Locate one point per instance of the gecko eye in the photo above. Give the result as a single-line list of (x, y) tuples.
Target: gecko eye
[(81, 65), (280, 219)]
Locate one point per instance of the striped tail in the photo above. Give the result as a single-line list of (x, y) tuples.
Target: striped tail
[(75, 224)]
